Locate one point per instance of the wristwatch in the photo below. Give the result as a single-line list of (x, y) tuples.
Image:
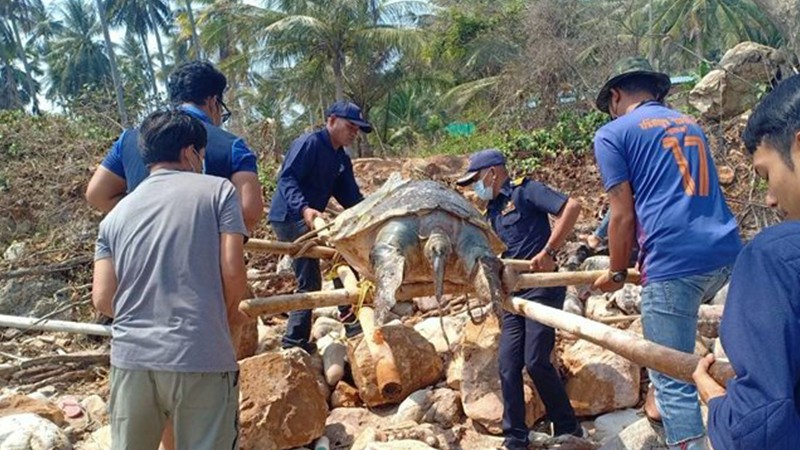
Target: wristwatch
[(552, 252), (618, 276)]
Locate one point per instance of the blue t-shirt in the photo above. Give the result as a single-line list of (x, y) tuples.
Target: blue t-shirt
[(226, 153), (520, 217), (312, 172), (684, 226), (760, 331)]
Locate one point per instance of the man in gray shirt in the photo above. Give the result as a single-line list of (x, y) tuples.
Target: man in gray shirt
[(169, 268)]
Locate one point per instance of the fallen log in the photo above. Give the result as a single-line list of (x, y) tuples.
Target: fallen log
[(671, 362), (33, 323), (49, 268), (74, 359)]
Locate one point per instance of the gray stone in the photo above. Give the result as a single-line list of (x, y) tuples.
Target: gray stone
[(33, 297), (403, 309), (610, 425), (413, 408), (15, 251), (638, 436), (431, 330)]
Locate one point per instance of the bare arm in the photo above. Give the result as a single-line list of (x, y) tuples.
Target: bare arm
[(621, 229), (104, 285), (105, 189), (234, 276), (622, 226), (564, 223), (249, 190)]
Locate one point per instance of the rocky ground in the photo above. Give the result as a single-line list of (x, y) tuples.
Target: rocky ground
[(290, 399)]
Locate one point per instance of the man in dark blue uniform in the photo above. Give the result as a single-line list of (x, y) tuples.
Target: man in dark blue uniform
[(316, 167), (197, 89), (519, 212)]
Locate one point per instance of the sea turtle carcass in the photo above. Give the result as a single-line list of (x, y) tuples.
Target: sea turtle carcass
[(419, 232)]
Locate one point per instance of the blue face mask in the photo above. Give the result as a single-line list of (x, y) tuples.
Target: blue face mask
[(483, 192)]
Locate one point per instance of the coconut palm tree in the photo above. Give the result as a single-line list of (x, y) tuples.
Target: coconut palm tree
[(16, 16), (77, 59)]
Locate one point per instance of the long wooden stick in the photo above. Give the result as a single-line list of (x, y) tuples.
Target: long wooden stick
[(386, 374), (288, 248), (32, 323), (278, 304), (550, 279), (645, 353)]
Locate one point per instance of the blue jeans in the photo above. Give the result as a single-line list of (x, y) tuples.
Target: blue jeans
[(669, 318), (602, 229), (309, 279), (527, 343)]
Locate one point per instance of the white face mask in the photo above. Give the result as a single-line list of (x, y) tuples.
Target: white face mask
[(202, 162)]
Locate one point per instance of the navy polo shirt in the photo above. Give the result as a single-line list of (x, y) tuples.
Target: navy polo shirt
[(520, 217), (226, 153), (313, 172)]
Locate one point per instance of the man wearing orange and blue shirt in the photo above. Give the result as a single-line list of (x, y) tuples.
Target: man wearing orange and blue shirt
[(687, 236)]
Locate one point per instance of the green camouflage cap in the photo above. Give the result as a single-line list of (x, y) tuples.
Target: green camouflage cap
[(627, 68)]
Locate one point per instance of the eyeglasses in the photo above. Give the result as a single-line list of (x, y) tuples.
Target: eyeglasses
[(226, 113)]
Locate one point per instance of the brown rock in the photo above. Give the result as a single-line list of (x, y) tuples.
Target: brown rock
[(599, 380), (415, 357), (282, 401), (345, 396), (20, 404), (246, 340), (480, 384)]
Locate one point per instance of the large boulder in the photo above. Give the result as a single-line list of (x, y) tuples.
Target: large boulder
[(416, 359), (599, 380), (283, 401), (21, 404), (34, 297), (434, 329), (29, 431), (745, 71), (481, 396)]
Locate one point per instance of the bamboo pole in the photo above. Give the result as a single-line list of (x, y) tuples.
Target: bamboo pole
[(288, 248), (671, 362), (32, 323), (278, 304), (550, 279), (386, 373)]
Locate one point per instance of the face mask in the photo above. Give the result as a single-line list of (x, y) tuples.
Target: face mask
[(483, 192), (202, 162)]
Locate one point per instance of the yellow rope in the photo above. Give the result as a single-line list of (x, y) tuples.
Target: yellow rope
[(365, 290)]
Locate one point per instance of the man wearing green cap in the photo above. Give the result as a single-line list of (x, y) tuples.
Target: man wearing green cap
[(662, 185)]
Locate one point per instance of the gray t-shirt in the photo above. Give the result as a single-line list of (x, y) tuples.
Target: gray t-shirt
[(164, 241)]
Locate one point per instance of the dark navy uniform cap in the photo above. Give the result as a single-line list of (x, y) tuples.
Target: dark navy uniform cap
[(351, 112), (480, 160)]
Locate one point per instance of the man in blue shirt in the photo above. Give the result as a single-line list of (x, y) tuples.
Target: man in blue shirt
[(197, 87), (688, 238), (760, 329), (519, 212), (316, 167)]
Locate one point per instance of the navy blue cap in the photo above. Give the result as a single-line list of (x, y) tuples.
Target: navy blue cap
[(479, 161), (351, 112)]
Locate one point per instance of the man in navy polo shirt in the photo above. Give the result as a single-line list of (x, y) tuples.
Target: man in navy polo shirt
[(519, 212), (315, 169), (758, 410), (661, 181), (197, 87)]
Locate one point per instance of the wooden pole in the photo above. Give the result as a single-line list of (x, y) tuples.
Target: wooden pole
[(288, 248), (386, 373), (278, 304), (671, 362), (32, 323), (550, 279)]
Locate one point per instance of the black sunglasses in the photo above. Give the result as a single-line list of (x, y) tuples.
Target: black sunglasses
[(226, 113)]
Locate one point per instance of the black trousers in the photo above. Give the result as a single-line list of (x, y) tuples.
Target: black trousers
[(526, 343)]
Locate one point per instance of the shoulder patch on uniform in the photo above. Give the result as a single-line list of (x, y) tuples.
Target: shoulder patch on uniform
[(518, 181), (510, 207)]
